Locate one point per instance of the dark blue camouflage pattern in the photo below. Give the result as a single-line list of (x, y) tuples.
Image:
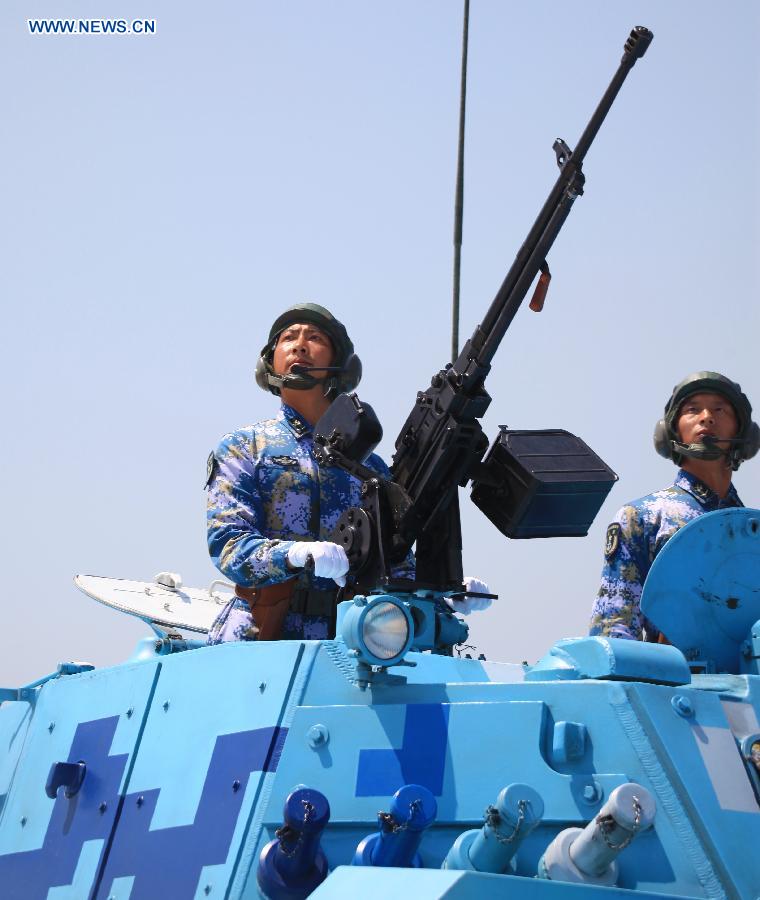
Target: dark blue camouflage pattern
[(638, 533), (265, 491)]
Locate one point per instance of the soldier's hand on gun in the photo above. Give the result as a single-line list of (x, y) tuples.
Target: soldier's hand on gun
[(465, 605), (330, 560)]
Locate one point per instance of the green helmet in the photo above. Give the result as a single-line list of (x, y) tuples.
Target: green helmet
[(344, 374), (667, 440)]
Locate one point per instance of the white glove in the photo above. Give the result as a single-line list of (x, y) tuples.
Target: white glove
[(471, 604), (330, 560)]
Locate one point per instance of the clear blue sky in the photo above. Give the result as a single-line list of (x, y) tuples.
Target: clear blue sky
[(165, 196)]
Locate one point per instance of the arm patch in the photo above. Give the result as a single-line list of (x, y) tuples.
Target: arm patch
[(612, 542)]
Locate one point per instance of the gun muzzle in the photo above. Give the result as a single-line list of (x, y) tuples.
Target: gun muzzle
[(638, 41)]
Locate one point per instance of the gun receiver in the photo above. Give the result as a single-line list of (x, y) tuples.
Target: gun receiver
[(441, 445)]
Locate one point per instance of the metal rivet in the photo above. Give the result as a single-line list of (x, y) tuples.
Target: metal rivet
[(682, 705), (236, 785), (140, 800), (129, 712), (23, 821), (103, 807), (263, 686), (166, 705), (207, 890), (317, 736), (592, 793), (51, 726)]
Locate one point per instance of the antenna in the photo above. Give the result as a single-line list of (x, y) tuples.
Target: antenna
[(459, 191)]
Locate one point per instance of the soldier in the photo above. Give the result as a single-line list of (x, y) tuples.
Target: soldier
[(271, 508), (707, 430)]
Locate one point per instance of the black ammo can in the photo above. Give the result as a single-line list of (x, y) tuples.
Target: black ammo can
[(541, 484)]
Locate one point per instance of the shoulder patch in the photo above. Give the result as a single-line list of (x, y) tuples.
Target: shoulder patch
[(210, 467), (613, 540)]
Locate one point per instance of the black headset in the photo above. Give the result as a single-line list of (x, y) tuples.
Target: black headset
[(341, 378), (744, 446)]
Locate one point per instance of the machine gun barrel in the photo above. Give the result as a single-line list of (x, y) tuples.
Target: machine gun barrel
[(532, 255), (441, 443)]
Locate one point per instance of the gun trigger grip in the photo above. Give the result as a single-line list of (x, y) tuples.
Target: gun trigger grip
[(542, 286)]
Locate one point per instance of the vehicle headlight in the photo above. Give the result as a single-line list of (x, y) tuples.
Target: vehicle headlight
[(379, 628), (385, 630)]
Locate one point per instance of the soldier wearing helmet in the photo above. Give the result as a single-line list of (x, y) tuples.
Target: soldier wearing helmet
[(706, 430), (271, 507)]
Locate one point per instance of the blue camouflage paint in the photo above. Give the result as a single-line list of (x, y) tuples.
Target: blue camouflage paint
[(265, 491), (147, 855), (420, 760), (30, 874), (645, 526), (137, 851)]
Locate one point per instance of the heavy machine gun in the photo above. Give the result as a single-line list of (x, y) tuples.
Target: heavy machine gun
[(531, 484)]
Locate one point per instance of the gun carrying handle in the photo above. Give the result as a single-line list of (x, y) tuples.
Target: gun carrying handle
[(542, 286)]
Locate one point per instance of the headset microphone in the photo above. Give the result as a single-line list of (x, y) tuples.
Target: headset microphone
[(297, 369), (708, 448), (299, 377), (709, 439)]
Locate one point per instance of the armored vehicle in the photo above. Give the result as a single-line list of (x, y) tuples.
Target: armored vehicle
[(382, 762)]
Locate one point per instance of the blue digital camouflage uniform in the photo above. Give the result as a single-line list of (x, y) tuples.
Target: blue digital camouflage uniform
[(266, 490), (640, 530)]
